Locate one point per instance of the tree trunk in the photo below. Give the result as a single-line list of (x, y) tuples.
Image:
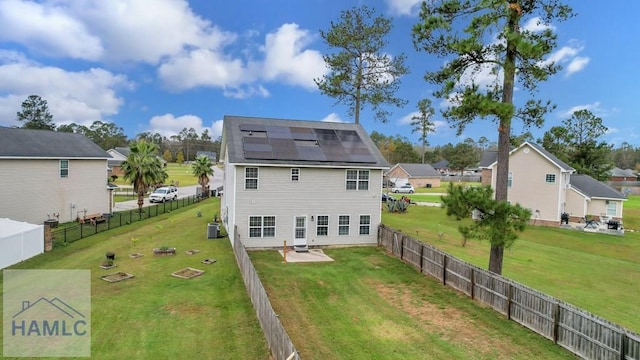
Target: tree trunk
[(140, 200), (504, 134)]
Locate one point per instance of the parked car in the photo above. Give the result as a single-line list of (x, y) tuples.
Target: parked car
[(386, 197), (407, 189), (163, 194)]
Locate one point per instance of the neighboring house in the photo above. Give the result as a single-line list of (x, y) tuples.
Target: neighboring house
[(49, 174), (309, 183), (540, 181), (118, 156), (418, 175), (210, 154), (488, 157), (441, 166), (618, 174)]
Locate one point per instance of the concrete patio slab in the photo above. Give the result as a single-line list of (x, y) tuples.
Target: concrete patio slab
[(314, 255)]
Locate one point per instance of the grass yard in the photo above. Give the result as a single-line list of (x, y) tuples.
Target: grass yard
[(599, 273), (368, 305), (179, 174), (155, 315)]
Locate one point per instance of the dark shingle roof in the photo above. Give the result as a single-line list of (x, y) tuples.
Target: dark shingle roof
[(123, 150), (209, 154), (233, 137), (419, 170), (28, 143), (594, 188), (617, 172), (488, 158), (442, 164)]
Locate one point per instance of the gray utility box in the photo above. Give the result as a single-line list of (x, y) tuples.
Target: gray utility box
[(213, 229)]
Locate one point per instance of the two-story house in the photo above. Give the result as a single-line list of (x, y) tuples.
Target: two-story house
[(549, 187), (309, 183), (51, 175)]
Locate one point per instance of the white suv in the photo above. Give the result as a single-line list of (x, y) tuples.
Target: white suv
[(163, 194), (408, 188)]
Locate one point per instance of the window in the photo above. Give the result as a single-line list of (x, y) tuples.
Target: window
[(357, 179), (251, 178), (343, 225), (262, 226), (64, 168), (550, 178), (322, 225), (365, 224), (510, 179), (611, 208), (295, 174)]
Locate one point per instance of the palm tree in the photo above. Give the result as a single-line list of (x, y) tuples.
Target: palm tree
[(202, 168), (143, 168)]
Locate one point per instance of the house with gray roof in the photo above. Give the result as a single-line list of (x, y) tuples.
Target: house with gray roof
[(51, 175), (416, 174), (618, 174), (210, 154), (309, 183), (549, 187)]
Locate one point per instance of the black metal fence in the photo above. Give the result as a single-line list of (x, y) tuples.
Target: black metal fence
[(71, 233)]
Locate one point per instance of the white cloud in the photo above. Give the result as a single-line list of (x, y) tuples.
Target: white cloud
[(246, 92), (408, 119), (536, 24), (333, 117), (81, 97), (287, 59), (48, 28), (404, 7), (577, 64), (168, 124), (595, 108)]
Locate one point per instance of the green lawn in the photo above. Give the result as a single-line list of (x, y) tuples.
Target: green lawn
[(596, 272), (369, 305), (179, 174), (155, 315)]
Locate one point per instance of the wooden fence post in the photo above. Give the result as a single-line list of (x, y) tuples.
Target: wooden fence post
[(444, 269), (509, 301), (556, 322), (421, 258), (471, 278), (402, 247), (623, 346)]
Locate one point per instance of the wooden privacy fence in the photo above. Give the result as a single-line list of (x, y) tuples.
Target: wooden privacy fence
[(277, 338), (577, 330)]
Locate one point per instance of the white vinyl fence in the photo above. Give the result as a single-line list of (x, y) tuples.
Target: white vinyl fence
[(19, 241)]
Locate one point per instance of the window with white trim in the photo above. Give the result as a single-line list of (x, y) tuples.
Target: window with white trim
[(550, 178), (322, 225), (365, 224), (343, 225), (510, 179), (357, 180), (262, 226), (295, 174), (64, 168), (251, 178), (611, 208)]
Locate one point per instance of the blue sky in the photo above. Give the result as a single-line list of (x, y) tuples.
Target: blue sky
[(162, 65)]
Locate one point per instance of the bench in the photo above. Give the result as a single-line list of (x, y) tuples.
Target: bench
[(92, 218)]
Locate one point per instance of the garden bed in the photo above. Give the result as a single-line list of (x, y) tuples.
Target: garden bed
[(164, 251), (115, 277), (187, 273)]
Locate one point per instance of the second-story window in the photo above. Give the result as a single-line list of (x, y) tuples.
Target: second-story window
[(550, 178), (295, 174), (64, 168), (357, 180), (251, 178)]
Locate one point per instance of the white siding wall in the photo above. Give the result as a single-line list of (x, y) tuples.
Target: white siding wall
[(318, 192), (529, 187), (576, 204), (227, 203), (34, 188)]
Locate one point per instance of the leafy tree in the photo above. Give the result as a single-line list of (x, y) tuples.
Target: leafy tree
[(106, 135), (520, 139), (202, 167), (361, 71), (143, 168), (180, 158), (462, 156), (395, 149), (458, 30), (626, 156), (166, 156), (497, 221), (577, 143), (422, 123), (35, 114)]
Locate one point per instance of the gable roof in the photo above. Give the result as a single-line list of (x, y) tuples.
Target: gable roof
[(209, 154), (125, 151), (415, 170), (253, 140), (488, 158), (561, 164), (617, 172), (442, 164), (594, 188), (47, 144)]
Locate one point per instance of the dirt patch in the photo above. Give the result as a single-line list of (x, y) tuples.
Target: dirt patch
[(452, 324)]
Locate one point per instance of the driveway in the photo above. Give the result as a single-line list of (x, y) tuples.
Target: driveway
[(183, 191)]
